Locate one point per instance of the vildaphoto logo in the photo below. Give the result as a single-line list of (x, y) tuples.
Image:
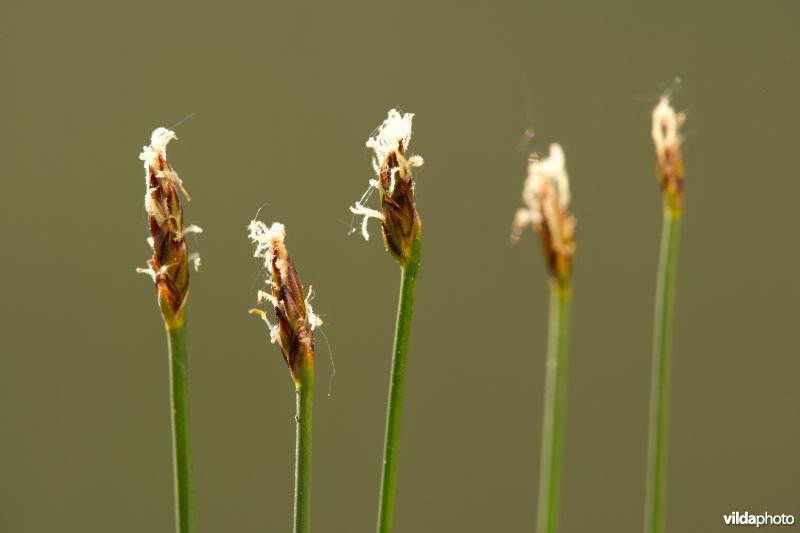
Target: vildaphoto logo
[(764, 519)]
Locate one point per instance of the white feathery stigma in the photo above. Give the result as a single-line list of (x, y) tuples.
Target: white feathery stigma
[(392, 135), (269, 245), (158, 149), (152, 273), (396, 128), (313, 319), (193, 228), (264, 296), (367, 213), (545, 193), (665, 126), (158, 211), (194, 259)]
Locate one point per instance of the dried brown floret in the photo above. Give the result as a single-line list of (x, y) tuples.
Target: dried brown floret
[(169, 265)]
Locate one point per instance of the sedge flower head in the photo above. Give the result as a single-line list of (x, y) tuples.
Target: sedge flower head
[(546, 194)]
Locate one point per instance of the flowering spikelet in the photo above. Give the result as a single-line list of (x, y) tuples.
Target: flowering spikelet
[(295, 320), (400, 221), (169, 266), (546, 194), (667, 140)]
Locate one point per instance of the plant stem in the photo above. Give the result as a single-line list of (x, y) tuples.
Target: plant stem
[(302, 473), (405, 308), (180, 426), (659, 386), (554, 393)]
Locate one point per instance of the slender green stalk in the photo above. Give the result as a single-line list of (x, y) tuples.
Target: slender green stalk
[(405, 308), (302, 472), (554, 394), (659, 386), (180, 426)]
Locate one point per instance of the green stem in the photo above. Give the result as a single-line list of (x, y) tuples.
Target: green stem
[(180, 427), (408, 280), (302, 473), (554, 394), (659, 386)]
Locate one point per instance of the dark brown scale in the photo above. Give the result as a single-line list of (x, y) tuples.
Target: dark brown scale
[(169, 247), (401, 221), (295, 336)]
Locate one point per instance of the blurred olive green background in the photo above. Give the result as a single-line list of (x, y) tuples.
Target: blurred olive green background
[(285, 95)]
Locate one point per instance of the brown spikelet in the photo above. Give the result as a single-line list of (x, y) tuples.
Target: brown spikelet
[(669, 162), (169, 265), (546, 194), (400, 222), (295, 320)]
